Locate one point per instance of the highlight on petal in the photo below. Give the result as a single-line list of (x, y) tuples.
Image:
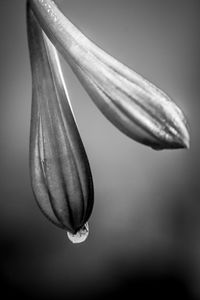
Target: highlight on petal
[(135, 106), (60, 172)]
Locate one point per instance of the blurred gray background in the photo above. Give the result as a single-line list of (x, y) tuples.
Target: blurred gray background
[(145, 227)]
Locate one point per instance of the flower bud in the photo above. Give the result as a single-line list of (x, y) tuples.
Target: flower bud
[(134, 105), (60, 171)]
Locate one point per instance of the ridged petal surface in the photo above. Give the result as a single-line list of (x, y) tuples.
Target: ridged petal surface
[(60, 171), (134, 105)]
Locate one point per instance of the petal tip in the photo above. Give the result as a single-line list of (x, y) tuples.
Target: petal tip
[(183, 138), (181, 141), (186, 141), (80, 236)]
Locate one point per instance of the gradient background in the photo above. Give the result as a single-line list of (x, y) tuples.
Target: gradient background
[(145, 228)]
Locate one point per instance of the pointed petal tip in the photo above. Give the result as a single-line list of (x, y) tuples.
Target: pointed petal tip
[(182, 142), (184, 137), (173, 142), (186, 143), (178, 136)]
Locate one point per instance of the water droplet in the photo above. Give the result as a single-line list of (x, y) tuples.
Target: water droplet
[(80, 236)]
